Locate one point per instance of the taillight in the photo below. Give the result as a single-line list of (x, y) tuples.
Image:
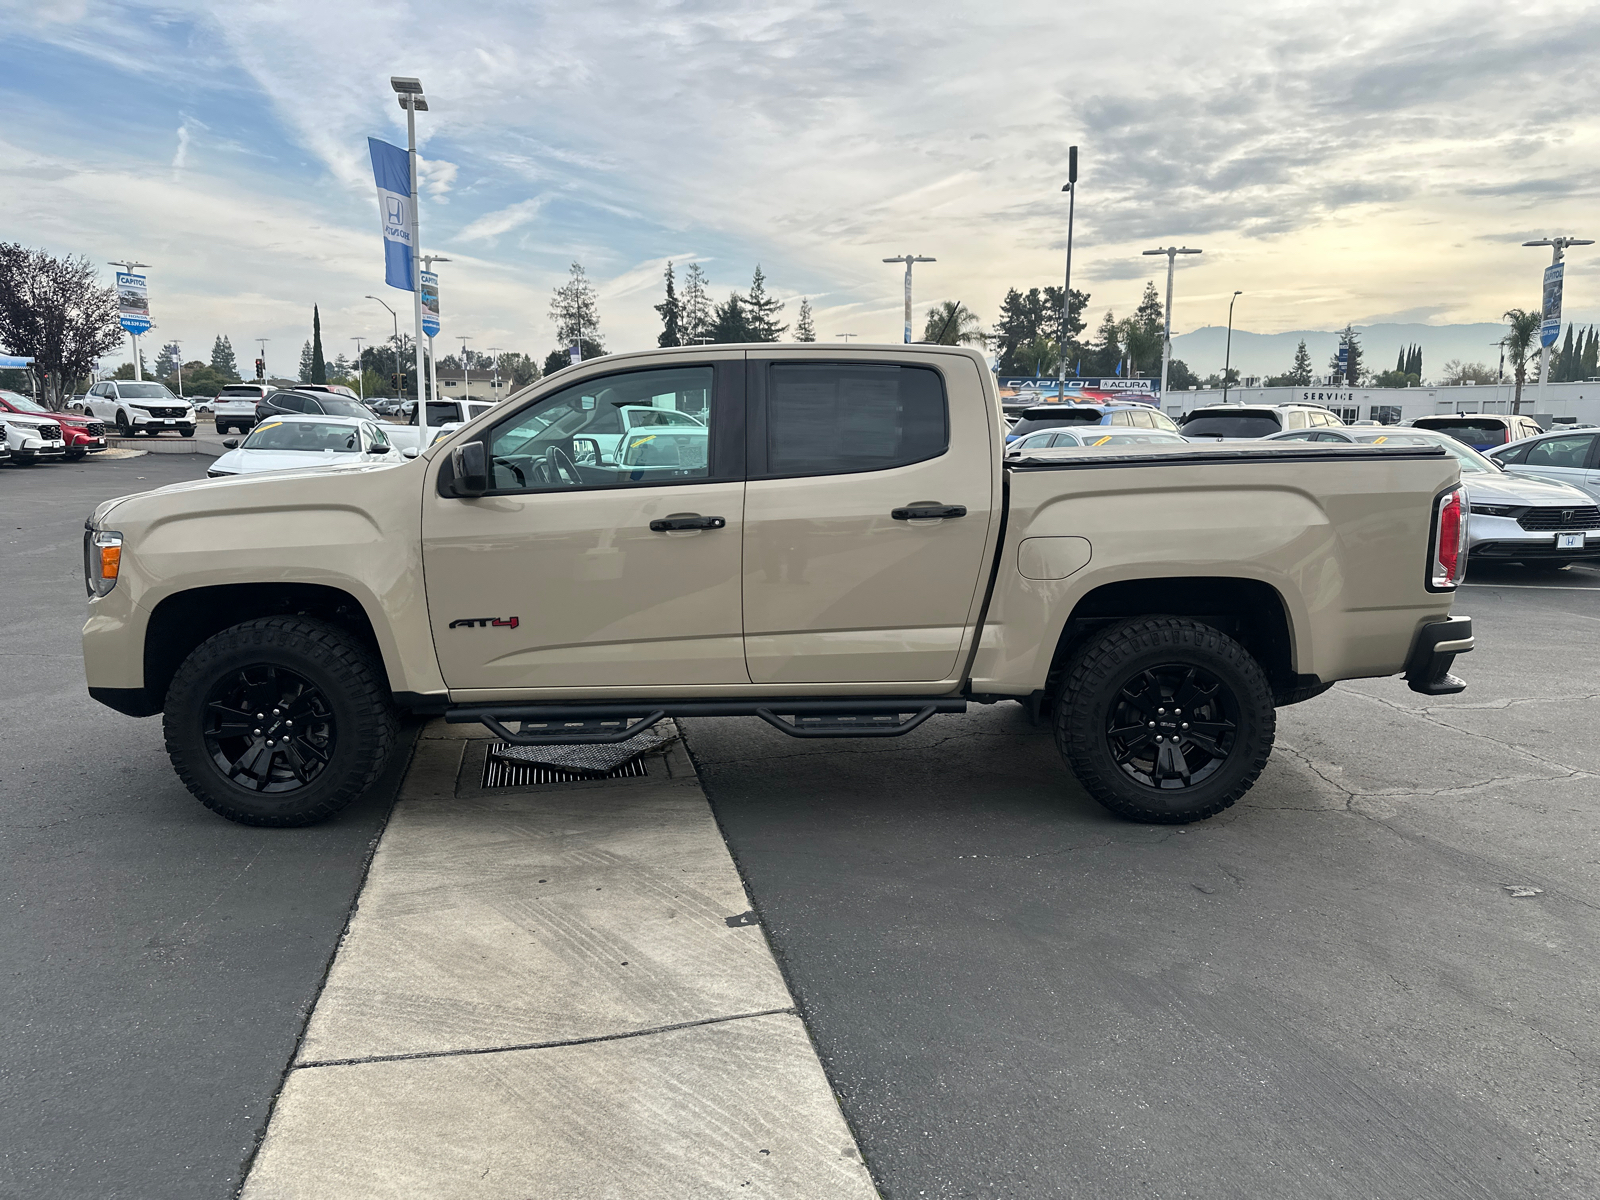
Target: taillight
[(1449, 546)]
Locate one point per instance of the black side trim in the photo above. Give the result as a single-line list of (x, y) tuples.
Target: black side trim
[(426, 704), (827, 717), (1338, 453), (1428, 667), (132, 702)]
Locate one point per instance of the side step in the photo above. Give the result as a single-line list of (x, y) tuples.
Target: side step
[(602, 724)]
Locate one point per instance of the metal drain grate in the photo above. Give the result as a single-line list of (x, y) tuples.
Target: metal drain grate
[(498, 773)]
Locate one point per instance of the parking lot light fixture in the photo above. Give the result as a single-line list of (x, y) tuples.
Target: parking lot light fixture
[(408, 91), (361, 371), (1172, 253), (908, 259), (396, 317), (1227, 358), (1071, 188), (466, 385), (1558, 246)]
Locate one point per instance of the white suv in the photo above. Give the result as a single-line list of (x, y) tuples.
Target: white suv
[(146, 407), (235, 405), (33, 438)]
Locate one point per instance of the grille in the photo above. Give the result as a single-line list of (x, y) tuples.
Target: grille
[(1553, 519), (50, 433), (166, 412), (95, 429), (498, 773)]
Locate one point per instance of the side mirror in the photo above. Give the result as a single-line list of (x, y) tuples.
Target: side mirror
[(470, 464), (410, 452), (586, 451), (378, 450), (232, 443)]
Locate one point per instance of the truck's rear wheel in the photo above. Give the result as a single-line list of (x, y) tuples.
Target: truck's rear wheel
[(1165, 720), (279, 721)]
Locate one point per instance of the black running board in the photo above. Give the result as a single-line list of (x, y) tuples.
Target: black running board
[(603, 724)]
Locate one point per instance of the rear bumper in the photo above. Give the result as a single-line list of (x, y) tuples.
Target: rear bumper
[(1433, 652)]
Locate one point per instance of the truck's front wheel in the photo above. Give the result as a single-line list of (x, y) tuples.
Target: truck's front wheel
[(279, 721), (1165, 720)]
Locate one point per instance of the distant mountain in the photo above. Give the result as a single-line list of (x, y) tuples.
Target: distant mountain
[(1273, 353)]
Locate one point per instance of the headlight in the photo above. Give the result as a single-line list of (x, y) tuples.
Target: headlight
[(102, 560), (1500, 510)]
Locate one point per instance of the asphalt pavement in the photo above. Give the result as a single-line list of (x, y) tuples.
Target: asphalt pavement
[(1373, 977), (158, 963)]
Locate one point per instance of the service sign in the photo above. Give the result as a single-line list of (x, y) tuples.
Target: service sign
[(1551, 328), (133, 303), (430, 304)]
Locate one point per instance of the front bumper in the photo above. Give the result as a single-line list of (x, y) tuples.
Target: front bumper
[(1433, 652), (1502, 538), (46, 450)]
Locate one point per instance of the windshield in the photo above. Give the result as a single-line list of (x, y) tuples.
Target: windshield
[(144, 391), (1029, 424), (640, 417), (1480, 432), (23, 403), (303, 435), (1471, 461), (1231, 425), (338, 406)]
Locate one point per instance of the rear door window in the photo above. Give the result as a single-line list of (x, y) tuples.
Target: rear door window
[(841, 418), (1570, 451)]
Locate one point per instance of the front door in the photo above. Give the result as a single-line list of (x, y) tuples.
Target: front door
[(597, 559), (837, 587)]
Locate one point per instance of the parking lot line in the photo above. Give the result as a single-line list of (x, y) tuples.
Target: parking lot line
[(554, 991)]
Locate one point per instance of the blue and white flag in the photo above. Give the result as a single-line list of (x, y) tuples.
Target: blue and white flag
[(391, 166)]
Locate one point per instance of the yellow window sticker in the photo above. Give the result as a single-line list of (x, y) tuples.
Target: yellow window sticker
[(1102, 441)]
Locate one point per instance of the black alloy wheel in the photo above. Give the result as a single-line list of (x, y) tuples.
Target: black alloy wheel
[(269, 729), (1172, 726), (1165, 720), (124, 426)]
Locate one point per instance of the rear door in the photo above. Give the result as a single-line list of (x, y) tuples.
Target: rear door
[(579, 573), (1567, 458), (843, 583)]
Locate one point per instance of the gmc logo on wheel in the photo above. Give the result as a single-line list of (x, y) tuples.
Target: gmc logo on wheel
[(484, 622)]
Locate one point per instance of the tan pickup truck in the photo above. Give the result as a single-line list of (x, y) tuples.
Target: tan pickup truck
[(828, 539)]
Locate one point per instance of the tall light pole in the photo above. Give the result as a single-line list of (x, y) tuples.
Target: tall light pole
[(409, 91), (433, 359), (1547, 338), (128, 268), (494, 365), (908, 259), (1071, 188), (361, 371), (396, 317), (846, 337), (261, 343), (466, 386), (179, 346), (1227, 358), (1172, 253)]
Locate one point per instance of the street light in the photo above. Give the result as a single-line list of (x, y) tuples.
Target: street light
[(1547, 338), (1071, 188), (1227, 359), (408, 91), (1172, 253), (466, 385), (494, 365), (908, 259), (396, 317), (846, 337), (128, 268), (361, 371)]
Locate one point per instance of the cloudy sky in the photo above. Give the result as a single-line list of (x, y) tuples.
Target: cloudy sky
[(1363, 162)]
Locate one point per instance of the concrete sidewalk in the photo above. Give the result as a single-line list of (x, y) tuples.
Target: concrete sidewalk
[(555, 991)]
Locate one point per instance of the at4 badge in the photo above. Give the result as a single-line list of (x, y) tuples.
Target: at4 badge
[(484, 622)]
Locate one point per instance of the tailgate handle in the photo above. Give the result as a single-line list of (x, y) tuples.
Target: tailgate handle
[(924, 512), (692, 521)]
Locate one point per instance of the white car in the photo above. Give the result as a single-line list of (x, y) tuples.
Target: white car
[(143, 407), (235, 405), (32, 439), (285, 443)]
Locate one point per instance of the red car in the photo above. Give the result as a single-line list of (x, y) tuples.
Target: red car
[(83, 435)]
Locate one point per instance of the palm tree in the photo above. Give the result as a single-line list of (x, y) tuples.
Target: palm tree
[(1519, 341), (952, 323)]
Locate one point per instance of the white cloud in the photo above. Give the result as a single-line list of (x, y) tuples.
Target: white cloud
[(492, 225)]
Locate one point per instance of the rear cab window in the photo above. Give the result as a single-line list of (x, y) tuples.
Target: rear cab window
[(842, 418)]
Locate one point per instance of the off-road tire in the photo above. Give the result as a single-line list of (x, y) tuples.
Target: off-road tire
[(1092, 689), (344, 672)]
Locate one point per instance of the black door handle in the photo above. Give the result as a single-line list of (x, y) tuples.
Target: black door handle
[(923, 512), (672, 524)]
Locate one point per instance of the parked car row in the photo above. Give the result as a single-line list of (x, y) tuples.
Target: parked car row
[(31, 433)]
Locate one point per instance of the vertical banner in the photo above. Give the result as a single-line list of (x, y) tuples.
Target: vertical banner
[(430, 304), (133, 303), (908, 304), (391, 168), (1551, 327)]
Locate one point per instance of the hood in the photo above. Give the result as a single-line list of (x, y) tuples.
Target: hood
[(256, 489), (246, 462), (28, 420), (1519, 489)]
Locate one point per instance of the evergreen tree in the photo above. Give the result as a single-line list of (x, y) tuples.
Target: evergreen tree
[(1591, 354), (1354, 370), (1149, 315), (167, 360), (319, 364), (1402, 360), (1011, 332), (306, 360), (1300, 373), (762, 311), (222, 360), (1106, 352), (730, 323), (695, 321), (575, 310), (671, 314), (804, 330)]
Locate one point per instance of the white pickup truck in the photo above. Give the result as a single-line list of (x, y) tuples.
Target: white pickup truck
[(139, 407), (838, 548)]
